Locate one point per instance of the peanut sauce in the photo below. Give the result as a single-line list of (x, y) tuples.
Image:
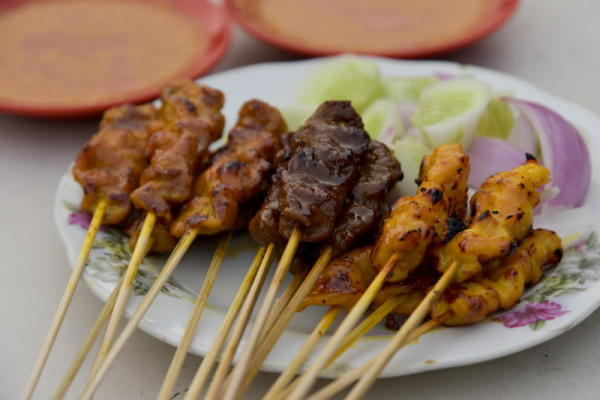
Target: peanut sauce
[(66, 52), (367, 26)]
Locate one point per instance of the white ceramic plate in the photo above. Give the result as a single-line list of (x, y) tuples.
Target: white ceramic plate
[(562, 300)]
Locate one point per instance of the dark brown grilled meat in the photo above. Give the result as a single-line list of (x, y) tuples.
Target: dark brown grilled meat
[(324, 159), (162, 240), (192, 119), (111, 162), (366, 204), (237, 173)]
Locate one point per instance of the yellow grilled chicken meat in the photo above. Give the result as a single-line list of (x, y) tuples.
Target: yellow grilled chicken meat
[(502, 215), (501, 283), (429, 217)]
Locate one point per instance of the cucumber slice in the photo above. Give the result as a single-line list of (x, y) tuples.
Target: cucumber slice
[(410, 152), (406, 90), (383, 121), (450, 111), (498, 120), (295, 115), (343, 78)]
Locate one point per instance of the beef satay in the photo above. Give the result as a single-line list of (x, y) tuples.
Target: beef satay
[(237, 173), (325, 157), (366, 204), (501, 283), (428, 218), (110, 164), (502, 215)]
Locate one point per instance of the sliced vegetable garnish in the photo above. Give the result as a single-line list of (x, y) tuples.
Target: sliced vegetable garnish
[(450, 111), (295, 115), (406, 89), (489, 156), (497, 120), (410, 151), (344, 78), (563, 151), (523, 135), (383, 121)]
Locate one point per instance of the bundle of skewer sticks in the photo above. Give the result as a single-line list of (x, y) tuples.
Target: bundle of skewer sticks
[(327, 195)]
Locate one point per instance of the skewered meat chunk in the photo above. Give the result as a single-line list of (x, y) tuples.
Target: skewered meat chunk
[(502, 215), (237, 173), (365, 205), (162, 240), (445, 168), (193, 120), (428, 218), (326, 153), (343, 280), (111, 162), (502, 281)]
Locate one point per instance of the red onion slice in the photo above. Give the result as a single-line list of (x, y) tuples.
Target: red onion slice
[(563, 151), (489, 156)]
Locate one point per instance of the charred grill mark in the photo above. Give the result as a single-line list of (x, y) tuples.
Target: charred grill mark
[(559, 253), (529, 157), (455, 225), (484, 215), (513, 247)]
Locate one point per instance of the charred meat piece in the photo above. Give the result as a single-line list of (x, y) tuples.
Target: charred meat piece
[(366, 204), (419, 221), (343, 280), (111, 162), (237, 173), (162, 240), (502, 215), (501, 283), (325, 157), (192, 120)]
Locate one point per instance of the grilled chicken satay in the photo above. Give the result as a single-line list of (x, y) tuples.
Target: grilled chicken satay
[(191, 120), (110, 164), (501, 283), (428, 218), (502, 215), (237, 173)]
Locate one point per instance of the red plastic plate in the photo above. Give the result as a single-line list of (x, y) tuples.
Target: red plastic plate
[(216, 26), (502, 11)]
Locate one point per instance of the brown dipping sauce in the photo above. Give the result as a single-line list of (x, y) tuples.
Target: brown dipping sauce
[(367, 25), (67, 52)]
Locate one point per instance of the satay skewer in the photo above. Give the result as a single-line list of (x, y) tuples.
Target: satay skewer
[(190, 329), (90, 338), (347, 379), (129, 277), (221, 372), (65, 301), (255, 272), (182, 246), (239, 372)]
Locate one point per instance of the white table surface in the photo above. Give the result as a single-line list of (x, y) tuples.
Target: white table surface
[(552, 43)]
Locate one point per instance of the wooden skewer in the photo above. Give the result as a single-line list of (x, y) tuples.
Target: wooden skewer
[(190, 330), (275, 333), (236, 336), (65, 301), (83, 351), (181, 248), (303, 354), (346, 380), (283, 301), (240, 369), (411, 323), (130, 274), (364, 327), (211, 357), (308, 378), (87, 344)]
